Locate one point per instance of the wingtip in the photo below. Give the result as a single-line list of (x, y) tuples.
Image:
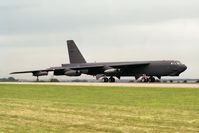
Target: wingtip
[(12, 73)]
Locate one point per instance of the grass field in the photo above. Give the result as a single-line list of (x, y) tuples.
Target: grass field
[(45, 108)]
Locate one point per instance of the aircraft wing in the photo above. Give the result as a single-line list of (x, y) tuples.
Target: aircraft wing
[(39, 72), (94, 67), (26, 72), (33, 71)]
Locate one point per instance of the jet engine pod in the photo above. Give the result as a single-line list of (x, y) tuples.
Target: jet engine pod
[(40, 73), (111, 71), (72, 73)]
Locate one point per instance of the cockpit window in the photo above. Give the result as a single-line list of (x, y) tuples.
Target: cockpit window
[(176, 63)]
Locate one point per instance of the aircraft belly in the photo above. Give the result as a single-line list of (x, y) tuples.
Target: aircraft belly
[(149, 70)]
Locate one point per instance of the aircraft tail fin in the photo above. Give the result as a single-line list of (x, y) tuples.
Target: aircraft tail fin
[(75, 55)]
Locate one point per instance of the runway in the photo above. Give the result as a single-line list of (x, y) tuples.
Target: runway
[(149, 85)]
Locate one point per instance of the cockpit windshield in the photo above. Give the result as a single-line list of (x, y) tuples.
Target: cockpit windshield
[(176, 63)]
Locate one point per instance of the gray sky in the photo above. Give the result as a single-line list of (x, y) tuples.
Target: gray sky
[(33, 34)]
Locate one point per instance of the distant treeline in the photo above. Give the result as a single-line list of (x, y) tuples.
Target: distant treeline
[(10, 79)]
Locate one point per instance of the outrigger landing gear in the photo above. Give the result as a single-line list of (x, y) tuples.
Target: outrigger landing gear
[(37, 79)]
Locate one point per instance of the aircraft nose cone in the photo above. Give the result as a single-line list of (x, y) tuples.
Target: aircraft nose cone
[(184, 67)]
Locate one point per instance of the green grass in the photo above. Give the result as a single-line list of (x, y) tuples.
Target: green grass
[(45, 108)]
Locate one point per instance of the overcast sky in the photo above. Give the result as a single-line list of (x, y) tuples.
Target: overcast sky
[(33, 34)]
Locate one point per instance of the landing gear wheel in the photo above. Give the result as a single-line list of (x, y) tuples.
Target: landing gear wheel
[(105, 79), (111, 79), (145, 79), (152, 79)]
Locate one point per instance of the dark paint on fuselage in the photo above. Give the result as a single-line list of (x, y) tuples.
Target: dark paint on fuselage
[(154, 68)]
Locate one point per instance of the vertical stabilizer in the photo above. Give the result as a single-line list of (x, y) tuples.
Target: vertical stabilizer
[(75, 55)]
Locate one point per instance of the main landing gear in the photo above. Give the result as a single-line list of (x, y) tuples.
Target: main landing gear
[(111, 79), (147, 78)]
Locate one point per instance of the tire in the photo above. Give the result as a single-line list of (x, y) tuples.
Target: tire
[(152, 79), (105, 80), (111, 79)]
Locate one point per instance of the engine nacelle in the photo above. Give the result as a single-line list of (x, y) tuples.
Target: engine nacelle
[(40, 73), (72, 73), (112, 71)]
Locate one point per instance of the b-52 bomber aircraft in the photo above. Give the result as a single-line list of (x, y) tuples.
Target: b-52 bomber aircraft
[(107, 71)]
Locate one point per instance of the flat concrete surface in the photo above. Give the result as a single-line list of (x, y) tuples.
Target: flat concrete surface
[(164, 85)]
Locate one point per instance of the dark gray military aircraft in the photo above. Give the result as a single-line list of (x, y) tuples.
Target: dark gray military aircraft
[(146, 70)]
